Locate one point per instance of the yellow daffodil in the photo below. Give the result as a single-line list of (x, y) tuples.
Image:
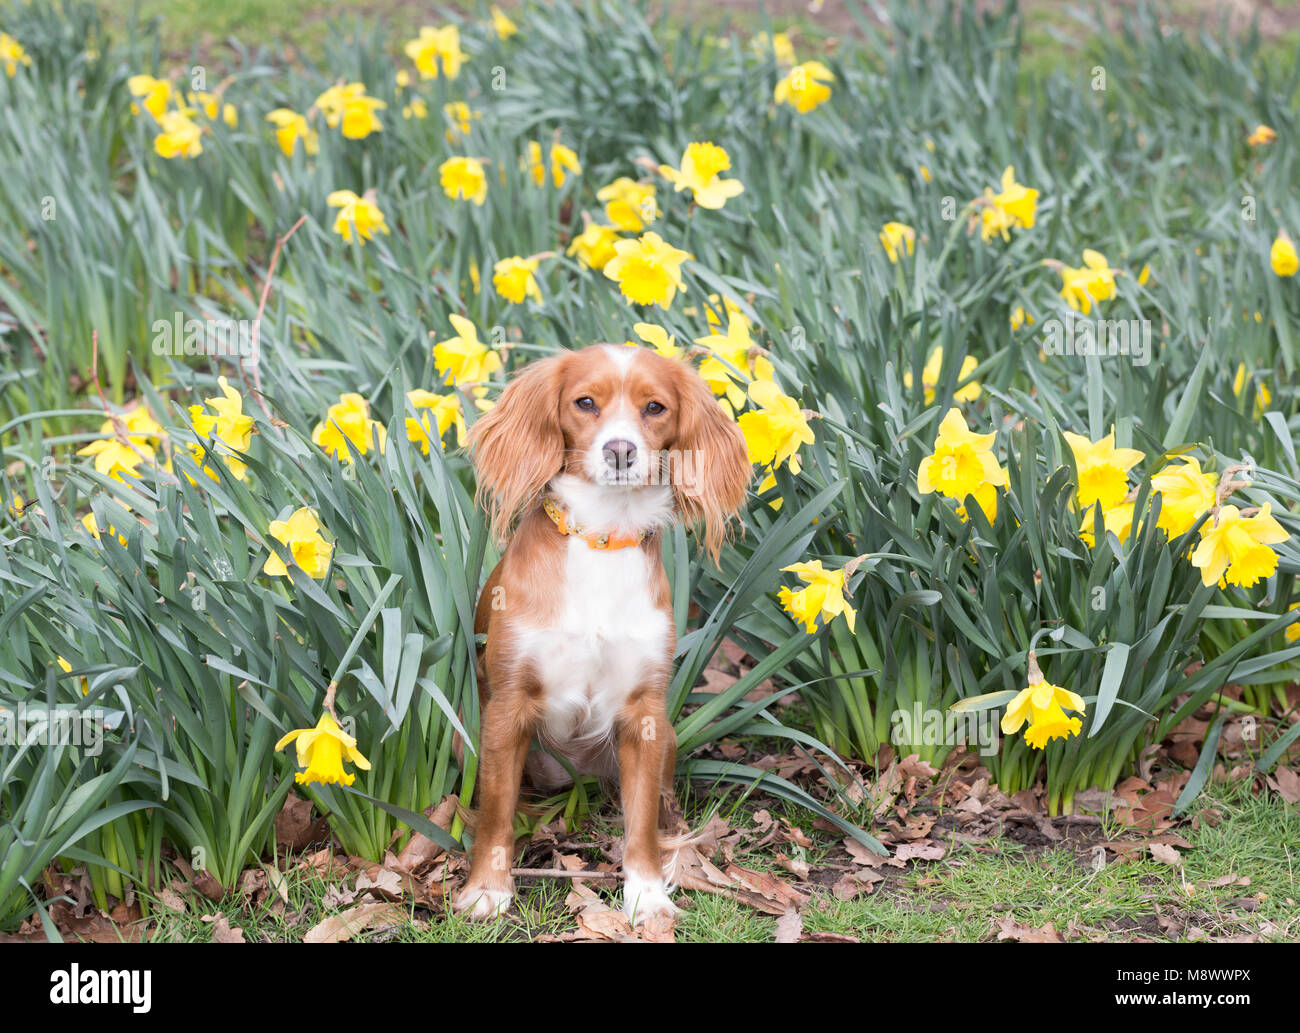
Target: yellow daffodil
[(805, 86), (12, 54), (436, 49), (83, 681), (213, 108), (897, 238), (181, 136), (659, 339), (348, 423), (629, 205), (417, 109), (647, 270), (1117, 519), (1014, 206), (227, 424), (1292, 631), (701, 165), (717, 310), (1235, 549), (459, 118), (1041, 702), (140, 426), (463, 179), (733, 360), (962, 464), (824, 596), (301, 533), (445, 412), (563, 160), (349, 108), (594, 246), (290, 127), (153, 94), (1185, 493), (113, 458), (1263, 396), (463, 360), (514, 280), (1283, 256), (1019, 318), (92, 527), (776, 428), (930, 377), (322, 751), (1261, 136), (1093, 281), (359, 214), (778, 45), (1103, 469), (501, 23)]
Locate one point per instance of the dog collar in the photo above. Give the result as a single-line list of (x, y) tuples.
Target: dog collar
[(605, 541)]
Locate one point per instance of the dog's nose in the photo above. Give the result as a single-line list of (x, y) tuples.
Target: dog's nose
[(620, 453)]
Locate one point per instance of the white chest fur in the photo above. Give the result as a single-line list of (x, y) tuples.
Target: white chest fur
[(606, 639)]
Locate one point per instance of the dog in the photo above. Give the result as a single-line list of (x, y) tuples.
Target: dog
[(592, 454)]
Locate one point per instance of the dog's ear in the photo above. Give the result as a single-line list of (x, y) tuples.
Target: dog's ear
[(517, 446), (711, 485)]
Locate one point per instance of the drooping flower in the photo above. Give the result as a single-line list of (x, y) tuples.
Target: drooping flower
[(181, 136), (823, 597), (348, 107), (437, 49), (464, 360), (647, 270), (290, 128), (775, 430), (1235, 549), (356, 214), (1043, 706), (501, 23), (301, 533), (153, 94), (733, 360), (348, 425), (1185, 493), (962, 464), (1261, 136), (805, 86), (1093, 281), (702, 164), (1282, 256), (12, 54), (897, 238), (445, 412), (464, 179), (322, 751), (594, 246), (1103, 469), (629, 205), (514, 280), (934, 367)]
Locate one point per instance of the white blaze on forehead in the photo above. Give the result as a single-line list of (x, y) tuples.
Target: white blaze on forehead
[(621, 355)]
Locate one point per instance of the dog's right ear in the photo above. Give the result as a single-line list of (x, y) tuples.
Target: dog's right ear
[(517, 446)]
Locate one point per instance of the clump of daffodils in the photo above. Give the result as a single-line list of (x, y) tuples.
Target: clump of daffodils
[(1043, 706), (962, 465)]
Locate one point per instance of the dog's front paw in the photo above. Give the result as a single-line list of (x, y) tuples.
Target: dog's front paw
[(644, 899), (480, 905)]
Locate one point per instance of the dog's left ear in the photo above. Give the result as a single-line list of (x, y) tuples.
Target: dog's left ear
[(713, 476)]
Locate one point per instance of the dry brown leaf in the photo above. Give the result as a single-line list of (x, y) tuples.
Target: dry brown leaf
[(789, 927), (1009, 929), (340, 927)]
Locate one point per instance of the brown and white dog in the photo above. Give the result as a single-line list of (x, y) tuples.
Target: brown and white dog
[(595, 452)]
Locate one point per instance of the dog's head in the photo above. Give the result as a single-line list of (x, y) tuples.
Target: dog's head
[(615, 416)]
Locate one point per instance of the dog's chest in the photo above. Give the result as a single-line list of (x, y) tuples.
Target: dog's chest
[(606, 639)]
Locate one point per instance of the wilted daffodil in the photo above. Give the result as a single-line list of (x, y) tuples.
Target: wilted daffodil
[(1103, 469), (464, 360), (629, 205), (359, 214), (647, 270), (445, 412), (594, 246), (805, 86), (501, 23), (436, 49), (1185, 493), (1043, 706), (290, 127), (1092, 281), (563, 160), (1282, 256), (153, 94), (776, 428), (734, 360), (514, 280), (1014, 206), (962, 464), (348, 423), (1235, 549), (823, 597), (12, 54), (701, 165), (227, 424), (308, 547), (463, 179), (322, 751), (934, 367), (349, 108), (897, 238), (181, 136)]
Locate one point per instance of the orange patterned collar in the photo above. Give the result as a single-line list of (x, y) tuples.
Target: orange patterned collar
[(604, 541)]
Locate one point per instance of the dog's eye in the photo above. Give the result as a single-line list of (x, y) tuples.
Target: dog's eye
[(586, 404), (653, 409)]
